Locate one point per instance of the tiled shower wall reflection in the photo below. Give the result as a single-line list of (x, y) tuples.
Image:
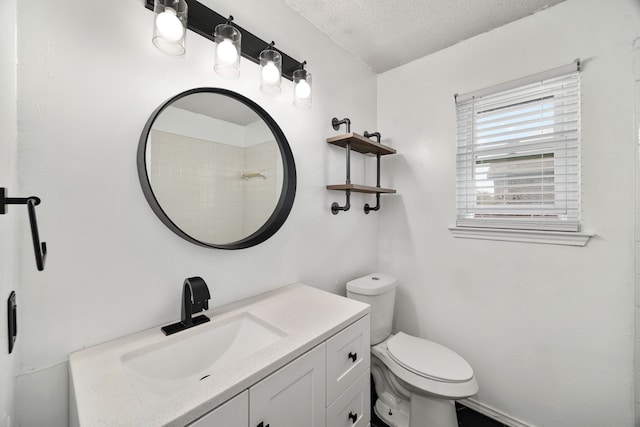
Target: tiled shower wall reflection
[(260, 193), (200, 185)]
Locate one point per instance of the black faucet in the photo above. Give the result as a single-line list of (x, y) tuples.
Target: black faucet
[(195, 298)]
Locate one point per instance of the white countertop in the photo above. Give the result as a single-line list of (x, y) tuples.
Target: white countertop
[(105, 396)]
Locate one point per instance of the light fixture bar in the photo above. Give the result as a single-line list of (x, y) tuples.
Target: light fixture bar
[(203, 21)]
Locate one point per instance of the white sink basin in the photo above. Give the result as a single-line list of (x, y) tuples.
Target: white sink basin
[(188, 357)]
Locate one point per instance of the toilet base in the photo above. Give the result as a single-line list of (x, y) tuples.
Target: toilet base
[(432, 412), (393, 417), (425, 412)]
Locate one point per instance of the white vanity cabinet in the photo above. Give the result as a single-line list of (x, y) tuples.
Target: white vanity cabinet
[(233, 413), (293, 396), (328, 386)]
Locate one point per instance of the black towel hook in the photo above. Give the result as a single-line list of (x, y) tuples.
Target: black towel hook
[(40, 249)]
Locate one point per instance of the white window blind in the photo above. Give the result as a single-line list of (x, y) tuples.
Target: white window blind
[(518, 155)]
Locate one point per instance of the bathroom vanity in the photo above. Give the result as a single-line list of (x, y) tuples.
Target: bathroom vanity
[(290, 357)]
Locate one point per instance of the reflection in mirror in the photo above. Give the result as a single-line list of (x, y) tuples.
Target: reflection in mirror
[(218, 171)]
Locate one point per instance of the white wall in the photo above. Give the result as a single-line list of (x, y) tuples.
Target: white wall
[(16, 215), (89, 78), (637, 231), (548, 329)]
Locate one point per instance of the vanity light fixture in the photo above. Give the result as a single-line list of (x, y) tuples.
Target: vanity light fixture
[(270, 70), (232, 41), (170, 25), (228, 41), (302, 87)]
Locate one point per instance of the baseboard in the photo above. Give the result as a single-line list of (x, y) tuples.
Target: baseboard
[(493, 413)]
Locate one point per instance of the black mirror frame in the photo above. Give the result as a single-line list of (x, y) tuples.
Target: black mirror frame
[(287, 195)]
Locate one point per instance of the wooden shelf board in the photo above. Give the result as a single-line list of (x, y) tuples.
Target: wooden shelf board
[(357, 188), (360, 144)]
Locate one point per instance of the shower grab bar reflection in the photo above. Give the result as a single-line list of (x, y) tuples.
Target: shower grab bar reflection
[(40, 249), (248, 175)]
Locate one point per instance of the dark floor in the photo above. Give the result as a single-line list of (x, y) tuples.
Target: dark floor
[(469, 418), (466, 416)]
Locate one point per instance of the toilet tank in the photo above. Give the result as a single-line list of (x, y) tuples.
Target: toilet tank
[(379, 291)]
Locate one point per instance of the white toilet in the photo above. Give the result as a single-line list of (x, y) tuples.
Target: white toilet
[(416, 380)]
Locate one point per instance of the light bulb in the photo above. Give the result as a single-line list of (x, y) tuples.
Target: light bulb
[(270, 73), (303, 90), (226, 51), (169, 25)]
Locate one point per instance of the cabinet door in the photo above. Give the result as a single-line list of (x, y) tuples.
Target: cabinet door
[(348, 356), (293, 396), (232, 413), (353, 407)]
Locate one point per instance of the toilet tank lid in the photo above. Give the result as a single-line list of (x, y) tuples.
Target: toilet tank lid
[(372, 284)]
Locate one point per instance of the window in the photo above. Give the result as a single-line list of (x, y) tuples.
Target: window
[(518, 154)]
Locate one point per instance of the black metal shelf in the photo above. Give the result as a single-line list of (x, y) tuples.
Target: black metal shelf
[(351, 141)]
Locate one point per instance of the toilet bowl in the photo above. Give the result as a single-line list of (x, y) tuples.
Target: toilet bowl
[(416, 380)]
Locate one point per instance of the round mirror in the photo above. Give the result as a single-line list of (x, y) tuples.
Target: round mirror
[(217, 169)]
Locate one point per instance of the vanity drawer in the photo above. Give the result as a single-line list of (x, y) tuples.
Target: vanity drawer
[(353, 407), (348, 357)]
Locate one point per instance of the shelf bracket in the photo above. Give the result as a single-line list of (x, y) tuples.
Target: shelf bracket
[(368, 208), (336, 123), (374, 134), (39, 248), (335, 207)]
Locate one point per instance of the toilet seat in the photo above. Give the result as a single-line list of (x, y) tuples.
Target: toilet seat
[(428, 359)]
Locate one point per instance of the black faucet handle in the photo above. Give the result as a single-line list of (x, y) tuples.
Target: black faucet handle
[(199, 290)]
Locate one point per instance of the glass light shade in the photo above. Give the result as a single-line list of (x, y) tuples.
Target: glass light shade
[(302, 89), (228, 40), (270, 71), (170, 25)]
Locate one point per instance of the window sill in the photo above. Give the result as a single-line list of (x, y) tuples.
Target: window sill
[(567, 238)]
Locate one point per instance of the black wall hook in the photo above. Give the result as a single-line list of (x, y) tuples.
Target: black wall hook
[(40, 249)]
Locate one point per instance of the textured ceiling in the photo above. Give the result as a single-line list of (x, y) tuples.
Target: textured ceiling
[(385, 34)]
